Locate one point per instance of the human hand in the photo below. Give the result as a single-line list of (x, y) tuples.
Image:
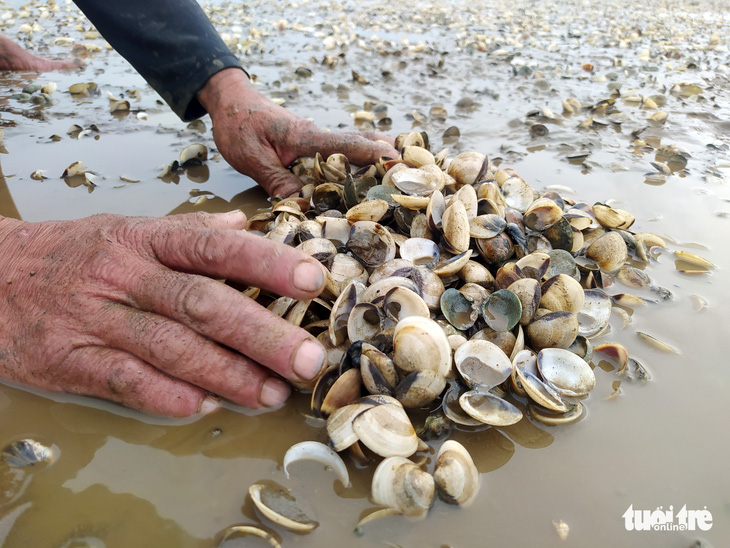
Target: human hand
[(125, 309), (260, 139)]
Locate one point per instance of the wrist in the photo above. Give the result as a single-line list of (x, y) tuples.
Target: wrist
[(224, 87)]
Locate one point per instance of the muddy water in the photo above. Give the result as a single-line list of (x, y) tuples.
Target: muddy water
[(124, 479)]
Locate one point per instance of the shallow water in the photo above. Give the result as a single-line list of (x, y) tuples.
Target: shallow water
[(126, 479)]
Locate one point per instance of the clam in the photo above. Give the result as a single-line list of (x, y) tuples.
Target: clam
[(553, 329), (277, 504), (489, 409), (378, 372), (371, 210), (364, 322), (386, 430), (517, 193), (610, 217), (495, 250), (486, 226), (482, 364), (542, 213), (419, 343), (398, 483), (455, 474), (420, 251), (562, 293), (319, 452), (371, 243), (339, 425), (242, 531), (609, 251), (401, 302), (568, 373), (541, 393), (458, 309), (453, 265), (421, 181), (341, 309), (335, 229), (420, 388), (595, 313), (502, 310), (529, 293), (455, 226), (28, 452), (467, 168)]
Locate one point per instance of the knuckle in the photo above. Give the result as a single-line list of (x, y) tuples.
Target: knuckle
[(193, 300), (167, 343)]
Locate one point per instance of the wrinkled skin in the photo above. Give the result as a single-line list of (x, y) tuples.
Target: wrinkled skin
[(109, 306), (239, 112), (129, 309)]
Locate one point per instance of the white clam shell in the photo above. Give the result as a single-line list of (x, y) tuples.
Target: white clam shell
[(568, 373), (456, 475), (489, 409), (319, 452), (482, 364)]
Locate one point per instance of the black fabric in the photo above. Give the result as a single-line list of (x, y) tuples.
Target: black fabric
[(171, 43)]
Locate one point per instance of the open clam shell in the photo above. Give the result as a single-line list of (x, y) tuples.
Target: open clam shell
[(565, 371), (277, 504), (489, 409), (319, 452), (595, 314), (482, 364), (502, 310)]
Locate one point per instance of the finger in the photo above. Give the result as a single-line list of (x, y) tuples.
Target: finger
[(273, 177), (240, 256), (232, 220), (120, 377), (221, 313), (358, 148), (181, 352)]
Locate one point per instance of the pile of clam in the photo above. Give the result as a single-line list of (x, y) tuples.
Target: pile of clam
[(456, 289)]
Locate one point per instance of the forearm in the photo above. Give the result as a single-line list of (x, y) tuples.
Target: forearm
[(171, 43)]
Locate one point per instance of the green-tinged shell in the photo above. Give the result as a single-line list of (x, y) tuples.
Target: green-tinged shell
[(459, 310), (502, 310)]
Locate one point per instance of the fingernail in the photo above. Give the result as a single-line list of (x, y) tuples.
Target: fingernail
[(308, 276), (308, 359), (208, 405), (274, 392)]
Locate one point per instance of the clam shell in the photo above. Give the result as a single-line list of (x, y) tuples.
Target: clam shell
[(482, 364), (502, 310), (386, 430), (455, 226), (568, 373), (489, 409), (319, 452), (467, 168), (609, 251), (419, 343), (542, 213), (595, 314), (398, 483), (455, 474), (419, 388), (277, 504), (528, 291), (562, 293), (554, 329)]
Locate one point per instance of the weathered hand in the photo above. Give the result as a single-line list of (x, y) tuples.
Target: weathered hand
[(126, 309), (260, 139)]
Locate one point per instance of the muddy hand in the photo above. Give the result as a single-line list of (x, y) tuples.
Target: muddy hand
[(126, 309), (260, 139)]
